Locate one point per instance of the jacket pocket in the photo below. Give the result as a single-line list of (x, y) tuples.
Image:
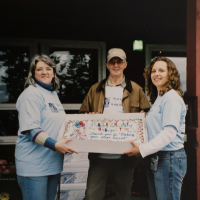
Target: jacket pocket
[(134, 106)]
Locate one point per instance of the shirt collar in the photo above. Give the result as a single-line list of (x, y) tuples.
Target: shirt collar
[(45, 86), (122, 84)]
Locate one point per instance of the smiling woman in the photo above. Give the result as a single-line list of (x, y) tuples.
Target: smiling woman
[(165, 121), (161, 76), (40, 117), (43, 70)]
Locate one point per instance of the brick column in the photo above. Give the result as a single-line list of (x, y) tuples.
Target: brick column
[(193, 79)]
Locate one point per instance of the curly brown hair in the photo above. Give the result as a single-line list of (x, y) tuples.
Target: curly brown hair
[(173, 81)]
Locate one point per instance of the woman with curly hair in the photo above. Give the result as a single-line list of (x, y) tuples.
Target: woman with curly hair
[(166, 161)]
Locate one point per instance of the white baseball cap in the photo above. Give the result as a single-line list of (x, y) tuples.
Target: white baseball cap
[(115, 52)]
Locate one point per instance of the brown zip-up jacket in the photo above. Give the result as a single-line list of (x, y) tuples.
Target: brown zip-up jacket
[(134, 100)]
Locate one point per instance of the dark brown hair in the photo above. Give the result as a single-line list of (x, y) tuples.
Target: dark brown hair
[(173, 81), (30, 79)]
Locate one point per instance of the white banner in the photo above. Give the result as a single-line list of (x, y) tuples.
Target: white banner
[(104, 133)]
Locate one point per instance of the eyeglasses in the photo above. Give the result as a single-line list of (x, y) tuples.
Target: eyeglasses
[(119, 62)]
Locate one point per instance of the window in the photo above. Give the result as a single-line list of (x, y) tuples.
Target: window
[(176, 53), (79, 65), (15, 58)]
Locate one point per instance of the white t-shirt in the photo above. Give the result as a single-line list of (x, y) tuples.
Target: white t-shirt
[(38, 108), (113, 104), (113, 99)]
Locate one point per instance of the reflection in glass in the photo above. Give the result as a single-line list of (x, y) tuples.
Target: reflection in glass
[(77, 70), (14, 67), (9, 124)]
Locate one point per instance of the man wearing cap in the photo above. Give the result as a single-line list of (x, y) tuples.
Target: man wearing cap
[(115, 94)]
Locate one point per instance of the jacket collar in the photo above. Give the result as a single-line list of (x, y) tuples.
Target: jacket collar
[(102, 84)]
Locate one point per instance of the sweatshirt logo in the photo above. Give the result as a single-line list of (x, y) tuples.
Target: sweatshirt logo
[(53, 108), (107, 102)]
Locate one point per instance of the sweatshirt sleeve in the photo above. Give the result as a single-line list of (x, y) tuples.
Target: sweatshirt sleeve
[(40, 137), (160, 141)]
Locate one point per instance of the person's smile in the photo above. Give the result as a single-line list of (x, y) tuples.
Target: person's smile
[(157, 79)]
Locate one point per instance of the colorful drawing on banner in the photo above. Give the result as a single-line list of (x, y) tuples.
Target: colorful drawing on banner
[(105, 130)]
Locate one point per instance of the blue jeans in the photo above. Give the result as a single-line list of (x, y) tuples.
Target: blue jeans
[(165, 183), (39, 187)]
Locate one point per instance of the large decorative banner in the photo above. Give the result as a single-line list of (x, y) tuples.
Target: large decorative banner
[(106, 133)]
